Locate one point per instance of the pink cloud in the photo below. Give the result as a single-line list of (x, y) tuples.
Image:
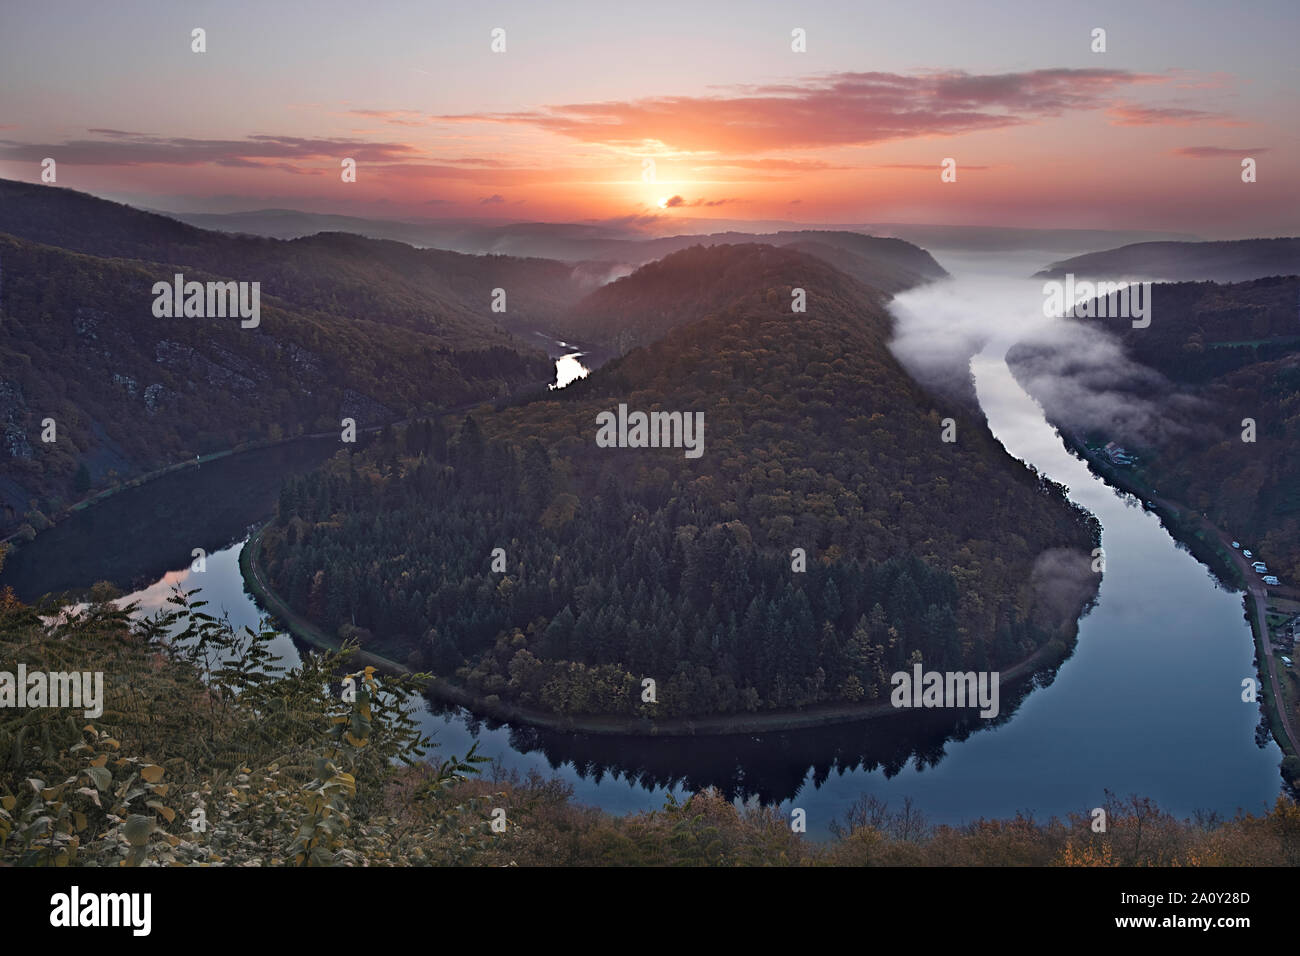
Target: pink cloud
[(120, 148), (1129, 114), (837, 110), (676, 201), (927, 167), (1214, 152)]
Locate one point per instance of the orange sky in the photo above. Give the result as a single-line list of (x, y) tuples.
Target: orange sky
[(561, 126)]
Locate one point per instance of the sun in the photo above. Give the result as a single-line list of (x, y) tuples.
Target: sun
[(663, 202)]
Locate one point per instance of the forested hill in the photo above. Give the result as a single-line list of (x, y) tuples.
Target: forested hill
[(129, 392), (626, 563), (1233, 352), (690, 284), (442, 294), (1226, 261)]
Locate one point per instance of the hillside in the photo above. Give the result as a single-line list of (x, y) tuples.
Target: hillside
[(1224, 261), (687, 285), (623, 563), (442, 294), (1227, 353), (130, 392)]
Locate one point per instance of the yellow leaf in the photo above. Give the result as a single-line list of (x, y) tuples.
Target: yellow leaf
[(151, 772), (161, 789), (100, 760)]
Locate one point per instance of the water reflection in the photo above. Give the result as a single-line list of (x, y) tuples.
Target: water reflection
[(770, 767), (136, 536)]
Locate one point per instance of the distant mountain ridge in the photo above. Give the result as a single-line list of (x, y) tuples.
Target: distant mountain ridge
[(692, 283), (599, 240), (1235, 260), (445, 294)]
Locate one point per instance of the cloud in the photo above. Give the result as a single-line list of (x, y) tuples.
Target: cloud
[(675, 201), (1215, 152), (1129, 114), (494, 198), (1064, 584), (477, 161), (117, 132), (1078, 372), (783, 165), (1083, 379), (836, 110), (395, 117), (122, 148), (634, 220), (928, 167), (283, 167)]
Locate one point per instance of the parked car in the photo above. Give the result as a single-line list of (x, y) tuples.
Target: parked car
[(1247, 554), (1236, 544), (1271, 579)]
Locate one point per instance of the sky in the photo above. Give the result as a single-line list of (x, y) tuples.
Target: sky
[(651, 113)]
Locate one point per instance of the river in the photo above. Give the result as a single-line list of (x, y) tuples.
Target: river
[(1148, 702)]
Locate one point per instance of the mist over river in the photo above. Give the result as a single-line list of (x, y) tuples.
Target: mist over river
[(1148, 702)]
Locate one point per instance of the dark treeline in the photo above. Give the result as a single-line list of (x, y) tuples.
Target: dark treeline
[(594, 598)]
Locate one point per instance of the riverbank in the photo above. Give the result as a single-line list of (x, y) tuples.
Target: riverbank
[(15, 539), (1211, 546), (720, 725)]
